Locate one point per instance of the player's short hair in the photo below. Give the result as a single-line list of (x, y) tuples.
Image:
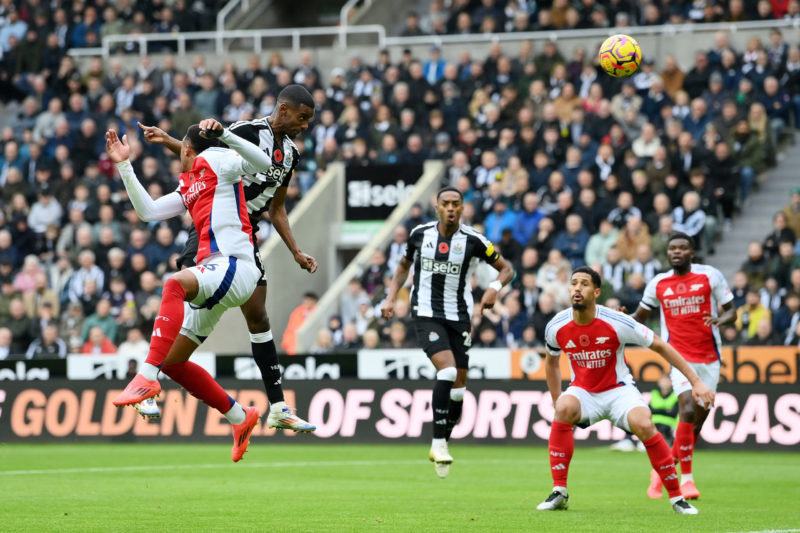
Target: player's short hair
[(197, 141), (295, 95), (596, 279), (449, 189), (680, 235)]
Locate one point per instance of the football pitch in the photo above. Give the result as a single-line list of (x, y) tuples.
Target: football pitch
[(340, 488)]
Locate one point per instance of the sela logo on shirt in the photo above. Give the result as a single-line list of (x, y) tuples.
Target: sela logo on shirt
[(570, 344), (601, 340), (440, 267), (696, 287), (668, 292)]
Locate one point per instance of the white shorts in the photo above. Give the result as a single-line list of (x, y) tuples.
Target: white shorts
[(614, 404), (225, 282), (707, 372)]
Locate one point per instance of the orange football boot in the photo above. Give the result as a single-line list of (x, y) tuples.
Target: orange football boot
[(241, 433), (139, 389)]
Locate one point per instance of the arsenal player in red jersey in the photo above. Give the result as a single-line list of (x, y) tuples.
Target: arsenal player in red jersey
[(594, 339), (689, 296)]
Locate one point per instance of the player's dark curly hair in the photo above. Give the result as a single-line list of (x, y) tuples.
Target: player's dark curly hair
[(198, 142), (295, 95), (680, 235), (596, 279), (449, 189)]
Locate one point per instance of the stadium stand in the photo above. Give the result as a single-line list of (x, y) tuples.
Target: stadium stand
[(559, 164)]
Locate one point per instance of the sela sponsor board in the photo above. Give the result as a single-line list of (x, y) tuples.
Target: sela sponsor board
[(498, 412), (374, 191)]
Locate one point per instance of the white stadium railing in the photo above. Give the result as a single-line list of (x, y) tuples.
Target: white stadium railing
[(222, 39)]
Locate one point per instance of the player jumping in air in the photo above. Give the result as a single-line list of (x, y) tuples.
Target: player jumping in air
[(266, 192), (441, 307), (689, 296), (226, 274), (594, 339)]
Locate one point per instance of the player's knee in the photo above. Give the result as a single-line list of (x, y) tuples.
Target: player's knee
[(567, 412), (258, 325), (173, 287), (447, 374), (457, 394)]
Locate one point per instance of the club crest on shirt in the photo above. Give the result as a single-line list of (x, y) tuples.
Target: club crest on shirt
[(287, 160), (601, 340), (457, 248), (695, 287), (433, 336)]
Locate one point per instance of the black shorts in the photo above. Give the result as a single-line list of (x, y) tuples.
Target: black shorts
[(437, 335), (189, 252)]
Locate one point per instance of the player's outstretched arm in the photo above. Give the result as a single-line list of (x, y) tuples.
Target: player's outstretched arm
[(255, 161), (168, 206), (399, 278), (156, 135), (280, 220), (552, 372), (700, 392)]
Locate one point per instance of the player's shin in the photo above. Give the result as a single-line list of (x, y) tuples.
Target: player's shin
[(455, 407), (266, 357), (561, 446), (440, 400), (661, 458), (166, 327), (683, 448), (201, 385)]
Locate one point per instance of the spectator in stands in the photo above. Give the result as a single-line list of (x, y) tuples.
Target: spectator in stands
[(20, 326), (739, 288), (48, 345), (416, 217), (780, 233), (6, 338), (756, 266), (40, 295), (97, 343), (792, 212), (644, 263), (750, 314), (396, 248), (765, 336), (614, 269), (296, 320), (786, 319), (689, 218), (87, 271), (398, 338), (572, 241), (633, 235), (783, 263), (101, 318)]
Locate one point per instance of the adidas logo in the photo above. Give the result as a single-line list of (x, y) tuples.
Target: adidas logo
[(686, 459), (570, 344), (560, 466), (671, 477), (668, 292)]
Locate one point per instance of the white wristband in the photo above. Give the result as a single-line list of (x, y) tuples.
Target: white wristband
[(496, 285)]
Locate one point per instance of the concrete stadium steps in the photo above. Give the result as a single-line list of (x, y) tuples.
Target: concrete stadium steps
[(756, 221)]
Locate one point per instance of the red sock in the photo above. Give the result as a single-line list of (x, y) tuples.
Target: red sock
[(663, 463), (200, 384), (168, 322), (562, 444), (683, 447)]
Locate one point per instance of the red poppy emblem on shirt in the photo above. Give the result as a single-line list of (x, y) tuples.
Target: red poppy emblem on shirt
[(443, 248), (277, 155), (681, 288), (584, 340)]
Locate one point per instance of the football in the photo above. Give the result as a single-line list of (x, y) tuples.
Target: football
[(620, 55)]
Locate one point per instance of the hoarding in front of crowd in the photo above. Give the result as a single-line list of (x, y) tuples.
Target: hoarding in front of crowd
[(755, 416), (778, 365), (374, 191)]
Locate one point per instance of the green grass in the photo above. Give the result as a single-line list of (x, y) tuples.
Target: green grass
[(339, 488)]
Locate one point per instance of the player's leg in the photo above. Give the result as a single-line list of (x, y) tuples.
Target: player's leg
[(640, 422), (266, 357), (561, 445), (180, 287), (460, 341)]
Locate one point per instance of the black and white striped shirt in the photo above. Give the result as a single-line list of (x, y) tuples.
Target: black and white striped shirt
[(441, 266), (284, 161)]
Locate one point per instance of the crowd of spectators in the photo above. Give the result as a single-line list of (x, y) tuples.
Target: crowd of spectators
[(559, 164), (453, 17)]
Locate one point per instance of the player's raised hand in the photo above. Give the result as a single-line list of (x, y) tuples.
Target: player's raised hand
[(153, 134), (387, 309), (709, 319), (306, 262), (210, 128), (703, 395), (117, 151)]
